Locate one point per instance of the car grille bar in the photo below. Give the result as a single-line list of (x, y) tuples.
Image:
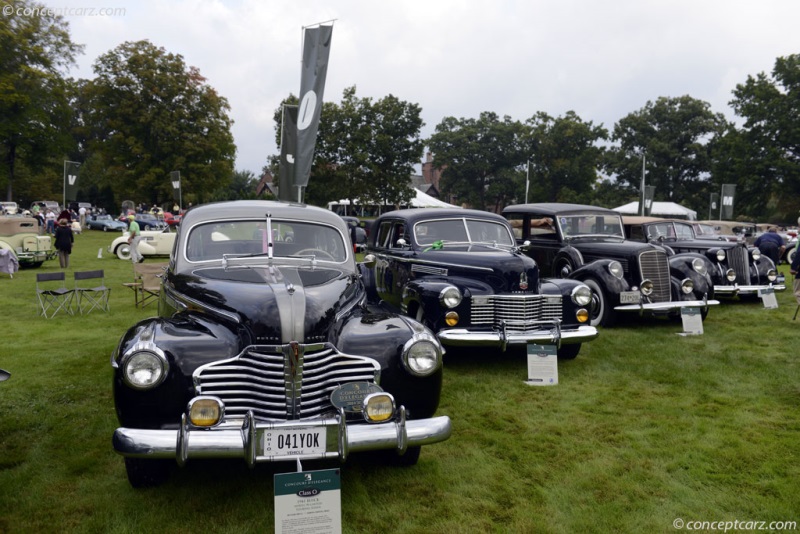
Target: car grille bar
[(518, 313), (653, 266), (738, 261), (282, 382)]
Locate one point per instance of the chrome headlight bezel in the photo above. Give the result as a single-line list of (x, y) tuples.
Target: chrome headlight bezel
[(721, 255), (699, 266), (144, 368), (730, 274), (772, 275), (755, 254), (616, 270), (687, 286), (422, 354), (581, 295), (450, 297), (646, 287)]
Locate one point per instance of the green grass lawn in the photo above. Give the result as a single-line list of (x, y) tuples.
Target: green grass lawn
[(645, 427)]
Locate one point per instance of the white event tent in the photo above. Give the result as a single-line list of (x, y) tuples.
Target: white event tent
[(660, 209), (420, 200)]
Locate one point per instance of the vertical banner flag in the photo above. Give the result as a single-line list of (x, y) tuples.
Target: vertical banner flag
[(286, 189), (175, 179), (713, 205), (728, 192), (71, 180), (649, 193), (316, 49)]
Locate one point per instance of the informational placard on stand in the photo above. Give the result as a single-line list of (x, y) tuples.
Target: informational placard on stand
[(692, 321), (308, 502), (542, 365), (767, 295)]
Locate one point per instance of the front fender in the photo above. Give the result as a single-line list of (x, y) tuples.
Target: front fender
[(598, 270), (680, 267)]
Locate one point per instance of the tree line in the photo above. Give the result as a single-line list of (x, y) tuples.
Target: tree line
[(146, 113)]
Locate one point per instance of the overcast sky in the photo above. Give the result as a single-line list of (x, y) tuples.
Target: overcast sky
[(602, 60)]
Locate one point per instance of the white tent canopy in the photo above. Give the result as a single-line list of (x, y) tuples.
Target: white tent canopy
[(660, 209), (420, 200)]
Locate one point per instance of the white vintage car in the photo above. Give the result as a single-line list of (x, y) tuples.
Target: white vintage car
[(153, 243)]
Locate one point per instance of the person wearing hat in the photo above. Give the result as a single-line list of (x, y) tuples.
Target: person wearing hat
[(134, 236), (771, 245), (64, 240)]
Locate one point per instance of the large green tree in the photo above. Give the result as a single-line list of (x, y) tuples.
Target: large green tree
[(477, 156), (674, 137), (34, 51), (149, 114), (564, 155), (769, 143)]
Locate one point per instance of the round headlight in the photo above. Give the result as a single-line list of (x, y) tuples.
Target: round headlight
[(582, 295), (422, 355), (756, 254), (720, 255), (687, 286), (772, 275), (450, 297), (646, 288), (699, 266), (144, 369), (730, 274), (615, 268)]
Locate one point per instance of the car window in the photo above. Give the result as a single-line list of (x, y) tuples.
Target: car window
[(683, 231), (578, 225), (290, 239), (656, 231)]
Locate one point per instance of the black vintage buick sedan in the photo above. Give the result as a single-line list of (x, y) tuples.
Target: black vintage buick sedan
[(460, 273), (738, 269), (588, 243), (265, 350)]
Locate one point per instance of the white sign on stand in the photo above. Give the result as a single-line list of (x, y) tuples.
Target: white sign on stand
[(542, 365), (308, 502), (767, 295), (692, 321)]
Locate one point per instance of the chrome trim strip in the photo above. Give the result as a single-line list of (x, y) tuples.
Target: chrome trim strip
[(463, 337), (666, 306), (434, 263)]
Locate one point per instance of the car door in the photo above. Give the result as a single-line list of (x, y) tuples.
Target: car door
[(544, 241), (392, 267)]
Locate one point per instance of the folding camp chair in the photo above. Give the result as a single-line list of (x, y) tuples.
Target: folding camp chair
[(91, 296), (146, 283), (53, 297)]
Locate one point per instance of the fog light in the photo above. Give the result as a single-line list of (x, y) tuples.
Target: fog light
[(205, 411), (647, 288), (582, 315), (772, 275), (687, 286), (451, 318), (730, 274), (378, 407)]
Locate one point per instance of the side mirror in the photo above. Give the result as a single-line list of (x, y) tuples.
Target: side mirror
[(369, 261), (525, 246), (400, 243)]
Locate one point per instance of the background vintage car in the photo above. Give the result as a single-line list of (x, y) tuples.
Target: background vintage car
[(146, 221), (355, 224), (152, 243), (588, 243), (266, 350), (21, 236), (106, 223), (459, 272), (738, 269)]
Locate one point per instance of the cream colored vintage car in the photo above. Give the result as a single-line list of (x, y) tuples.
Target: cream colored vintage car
[(21, 236), (153, 243)]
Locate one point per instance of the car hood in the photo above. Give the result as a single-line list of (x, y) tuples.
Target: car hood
[(502, 270), (593, 249), (276, 304)]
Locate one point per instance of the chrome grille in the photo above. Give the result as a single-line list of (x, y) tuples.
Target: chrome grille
[(738, 261), (519, 312), (653, 266), (276, 383)]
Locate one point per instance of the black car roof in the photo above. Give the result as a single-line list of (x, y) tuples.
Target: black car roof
[(414, 215), (259, 208), (553, 208)]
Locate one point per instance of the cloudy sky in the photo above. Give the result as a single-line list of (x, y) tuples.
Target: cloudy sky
[(602, 60)]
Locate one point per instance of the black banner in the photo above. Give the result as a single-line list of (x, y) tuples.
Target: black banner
[(728, 194), (286, 189), (71, 180), (175, 180), (649, 193), (316, 49)]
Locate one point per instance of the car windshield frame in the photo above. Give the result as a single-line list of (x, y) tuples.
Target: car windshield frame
[(231, 239), (584, 224), (463, 231)]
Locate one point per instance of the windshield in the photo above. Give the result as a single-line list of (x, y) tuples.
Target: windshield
[(590, 224), (210, 241), (462, 231)]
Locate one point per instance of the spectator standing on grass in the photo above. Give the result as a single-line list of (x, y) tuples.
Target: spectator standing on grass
[(50, 220), (771, 245), (82, 217), (64, 240), (794, 269), (134, 237)]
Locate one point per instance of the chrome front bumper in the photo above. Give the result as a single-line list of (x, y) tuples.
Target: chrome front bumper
[(665, 306), (746, 290), (247, 440), (459, 337)]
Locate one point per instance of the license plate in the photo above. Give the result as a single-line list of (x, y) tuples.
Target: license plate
[(630, 297), (294, 441)]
